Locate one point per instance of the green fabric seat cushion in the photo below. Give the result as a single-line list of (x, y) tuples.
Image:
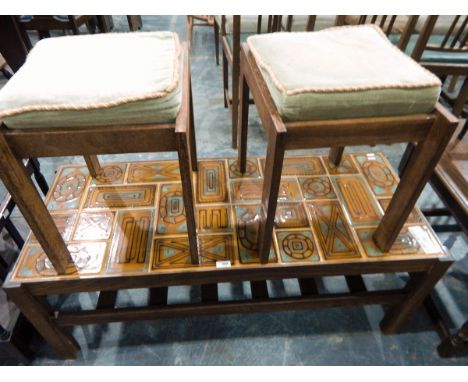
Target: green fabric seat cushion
[(299, 22), (342, 72), (248, 23), (91, 80)]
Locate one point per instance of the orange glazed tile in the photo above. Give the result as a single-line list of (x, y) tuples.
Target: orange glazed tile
[(317, 187), (87, 257), (247, 234), (358, 201), (64, 223), (211, 182), (151, 172), (94, 226), (174, 252), (346, 166), (297, 246), (290, 215), (414, 217), (68, 188), (414, 240), (171, 217), (111, 174), (333, 233), (120, 196), (300, 166), (251, 169), (214, 218), (250, 190), (379, 176), (131, 242)]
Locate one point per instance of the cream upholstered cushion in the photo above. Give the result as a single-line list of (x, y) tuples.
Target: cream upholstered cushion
[(342, 72), (102, 79)]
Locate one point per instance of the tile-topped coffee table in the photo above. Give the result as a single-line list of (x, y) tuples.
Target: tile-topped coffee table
[(127, 229)]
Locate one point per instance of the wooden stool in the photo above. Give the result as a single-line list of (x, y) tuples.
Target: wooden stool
[(150, 112), (309, 129)]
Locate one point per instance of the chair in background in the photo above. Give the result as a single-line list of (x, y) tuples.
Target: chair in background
[(303, 23), (201, 21)]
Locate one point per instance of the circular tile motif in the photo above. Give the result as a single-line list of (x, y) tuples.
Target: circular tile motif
[(378, 174), (250, 169), (298, 246), (109, 174), (317, 186), (69, 187)]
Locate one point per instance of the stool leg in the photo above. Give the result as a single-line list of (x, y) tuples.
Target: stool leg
[(415, 177), (94, 167), (271, 185), (216, 41), (40, 179), (419, 287), (26, 197), (243, 122), (235, 76), (225, 79), (335, 155), (37, 313), (186, 177)]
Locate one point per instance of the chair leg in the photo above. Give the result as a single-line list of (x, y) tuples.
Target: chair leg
[(406, 157), (419, 286), (186, 177), (216, 41), (191, 133), (24, 193), (271, 185), (335, 155), (38, 314), (415, 177), (92, 162), (189, 29), (14, 233), (40, 179), (225, 80), (243, 124)]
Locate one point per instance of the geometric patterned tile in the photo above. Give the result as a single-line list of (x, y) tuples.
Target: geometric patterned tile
[(297, 246), (377, 173), (211, 182), (414, 216), (94, 226), (251, 169), (290, 215), (214, 218), (121, 196), (316, 187), (250, 190), (68, 189), (346, 166), (300, 166), (151, 172), (111, 174), (64, 223), (171, 216)]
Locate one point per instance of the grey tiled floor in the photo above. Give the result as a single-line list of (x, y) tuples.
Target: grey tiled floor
[(348, 336)]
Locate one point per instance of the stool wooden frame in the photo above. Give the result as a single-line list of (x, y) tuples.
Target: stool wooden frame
[(89, 142), (432, 131)]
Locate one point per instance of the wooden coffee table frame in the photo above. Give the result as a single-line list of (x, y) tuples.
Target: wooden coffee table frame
[(432, 132), (16, 144)]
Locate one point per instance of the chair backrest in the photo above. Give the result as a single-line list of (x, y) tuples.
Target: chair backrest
[(399, 27), (454, 40), (309, 24), (271, 22)]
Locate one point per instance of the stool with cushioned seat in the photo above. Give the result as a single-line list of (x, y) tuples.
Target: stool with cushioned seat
[(340, 86), (70, 105)]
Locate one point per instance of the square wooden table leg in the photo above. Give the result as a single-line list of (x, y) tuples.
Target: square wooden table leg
[(225, 79), (335, 155), (28, 200), (243, 124), (38, 314), (216, 41), (191, 134), (94, 167), (419, 286), (415, 177), (271, 185)]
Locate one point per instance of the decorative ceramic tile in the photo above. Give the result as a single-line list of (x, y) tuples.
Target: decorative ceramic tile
[(297, 246), (377, 173), (211, 182), (250, 190), (171, 210), (88, 258), (174, 252), (120, 196), (333, 233), (247, 233), (300, 166), (290, 215), (358, 201), (131, 242), (346, 166), (64, 223), (70, 185), (251, 169), (94, 226), (111, 174), (317, 187), (415, 240), (151, 172), (214, 219), (413, 218)]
